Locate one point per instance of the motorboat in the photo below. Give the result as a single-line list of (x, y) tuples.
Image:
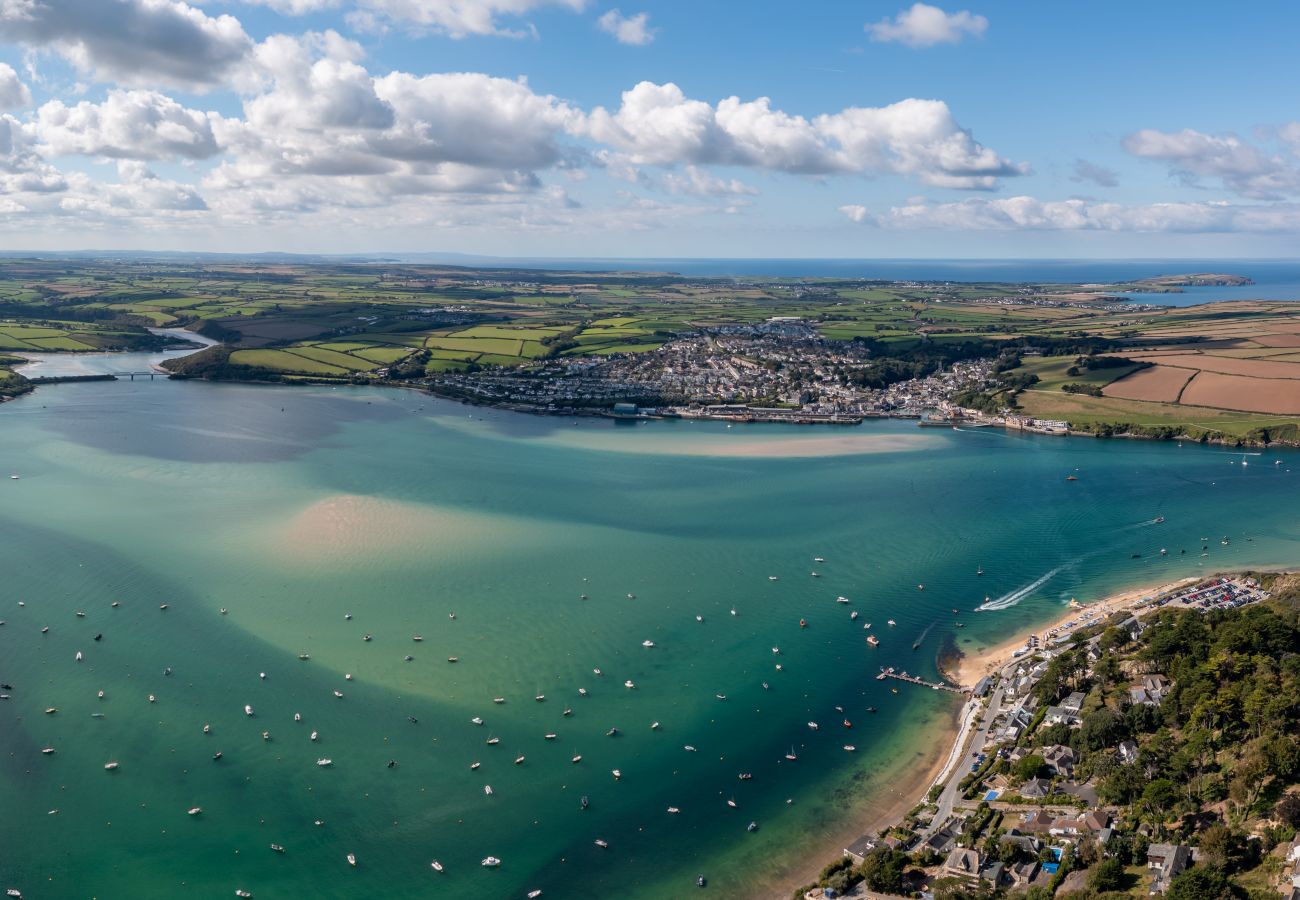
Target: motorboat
[(474, 765), (732, 803), (647, 643), (745, 776), (110, 766), (654, 726), (487, 790), (577, 757), (48, 751), (617, 773), (613, 732), (813, 725), (519, 759), (540, 697), (568, 711), (689, 747), (850, 748), (352, 860), (194, 810), (277, 848), (584, 802), (550, 735), (315, 735), (721, 696), (628, 684), (752, 826), (891, 622), (582, 692), (324, 763), (498, 699), (602, 844), (436, 866), (248, 710), (841, 599), (338, 694), (491, 862), (493, 741), (873, 640)]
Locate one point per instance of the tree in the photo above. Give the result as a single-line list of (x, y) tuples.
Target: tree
[(1102, 728), (1028, 767), (1107, 875), (1287, 810), (883, 869), (1202, 883)]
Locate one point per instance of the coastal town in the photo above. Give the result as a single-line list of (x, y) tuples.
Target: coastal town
[(779, 370), (1056, 783)]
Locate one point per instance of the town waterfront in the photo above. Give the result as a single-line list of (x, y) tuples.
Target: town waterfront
[(293, 508)]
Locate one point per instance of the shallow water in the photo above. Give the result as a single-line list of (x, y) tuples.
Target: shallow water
[(292, 507)]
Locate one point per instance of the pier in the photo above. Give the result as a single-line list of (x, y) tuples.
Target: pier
[(912, 679)]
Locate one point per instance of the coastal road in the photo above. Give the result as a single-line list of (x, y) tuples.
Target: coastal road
[(948, 798)]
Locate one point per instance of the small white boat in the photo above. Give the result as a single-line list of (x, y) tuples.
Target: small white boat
[(338, 694), (733, 611), (48, 751), (841, 599), (813, 725), (721, 696), (314, 735), (776, 650), (323, 763), (654, 726), (474, 766), (153, 699), (518, 760), (51, 710), (771, 578), (818, 559), (248, 710), (417, 637), (540, 697), (790, 755), (617, 773), (352, 859), (853, 615), (487, 790), (261, 675), (498, 699), (493, 741), (647, 643), (602, 844), (577, 757), (582, 692), (628, 684), (850, 748), (732, 803), (240, 892), (597, 672), (110, 766), (533, 895), (297, 717), (550, 735), (491, 862), (78, 656), (699, 618), (689, 747), (436, 866), (673, 810), (195, 810), (891, 622)]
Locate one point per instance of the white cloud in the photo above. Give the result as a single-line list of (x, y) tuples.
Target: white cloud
[(296, 7), (659, 125), (923, 25), (127, 125), (627, 29), (1032, 214), (135, 42), (856, 213), (1240, 167), (13, 93), (1090, 172), (457, 18)]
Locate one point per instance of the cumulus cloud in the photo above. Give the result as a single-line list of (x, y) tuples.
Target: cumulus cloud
[(923, 25), (1239, 166), (856, 213), (657, 124), (135, 42), (296, 7), (13, 93), (139, 125), (1032, 214), (1091, 173), (627, 29), (456, 18)]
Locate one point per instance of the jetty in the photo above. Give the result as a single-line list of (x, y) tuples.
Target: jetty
[(891, 672)]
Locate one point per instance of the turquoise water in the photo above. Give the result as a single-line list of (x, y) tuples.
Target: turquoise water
[(293, 507)]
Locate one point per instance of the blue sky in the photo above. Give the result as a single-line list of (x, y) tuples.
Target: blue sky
[(581, 128)]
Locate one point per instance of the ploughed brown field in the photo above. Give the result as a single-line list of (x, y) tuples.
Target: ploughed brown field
[(1254, 368), (1160, 384), (1266, 395)]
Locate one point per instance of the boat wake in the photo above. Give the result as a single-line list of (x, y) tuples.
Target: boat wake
[(1011, 599)]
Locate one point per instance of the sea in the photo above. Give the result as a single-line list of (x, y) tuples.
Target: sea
[(1274, 279), (321, 555)]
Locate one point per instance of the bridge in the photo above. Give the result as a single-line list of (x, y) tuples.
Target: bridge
[(105, 376), (912, 679)]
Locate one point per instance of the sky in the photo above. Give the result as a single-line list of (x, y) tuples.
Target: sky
[(654, 128)]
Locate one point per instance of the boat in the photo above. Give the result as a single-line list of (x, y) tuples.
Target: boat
[(297, 717), (776, 650), (584, 802), (689, 747), (352, 859), (577, 757), (217, 755), (78, 656), (477, 720), (277, 848), (752, 826), (818, 559), (848, 724), (550, 735), (873, 640), (617, 773), (239, 892), (1071, 478), (813, 725), (491, 862), (803, 623), (532, 895), (493, 741), (51, 710), (368, 637), (314, 735), (1160, 520), (979, 571), (733, 611), (582, 692), (771, 578), (498, 699), (487, 790), (701, 881), (48, 751), (732, 802), (474, 765), (519, 759), (699, 618), (745, 776), (853, 615), (629, 684), (721, 696), (338, 694), (890, 622), (613, 732), (436, 866), (790, 755), (597, 672), (654, 726), (248, 710), (540, 697), (153, 699), (850, 748), (194, 810), (453, 659), (841, 599), (602, 844), (568, 711), (647, 643), (673, 810), (417, 637), (110, 766), (323, 763)]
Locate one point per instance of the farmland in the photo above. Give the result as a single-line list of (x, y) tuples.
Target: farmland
[(1217, 366)]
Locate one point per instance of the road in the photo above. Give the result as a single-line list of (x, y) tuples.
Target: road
[(948, 798)]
